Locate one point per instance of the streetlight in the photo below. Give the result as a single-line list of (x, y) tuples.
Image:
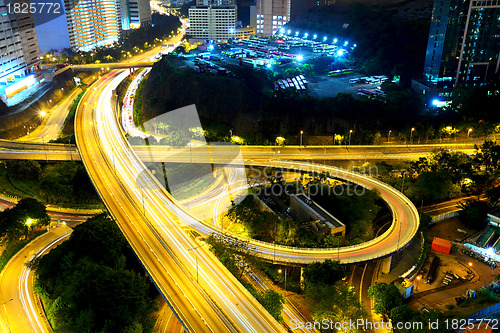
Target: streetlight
[(301, 132), (350, 132), (468, 133), (279, 271), (411, 135), (389, 136), (196, 251), (6, 321)]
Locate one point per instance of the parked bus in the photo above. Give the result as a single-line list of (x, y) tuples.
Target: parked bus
[(431, 275), (367, 93)]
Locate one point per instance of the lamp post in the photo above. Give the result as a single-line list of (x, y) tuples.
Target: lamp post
[(301, 132), (6, 321), (279, 271), (468, 133), (389, 136), (196, 250), (350, 133), (411, 135)]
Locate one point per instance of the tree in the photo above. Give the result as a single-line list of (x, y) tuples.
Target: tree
[(26, 214), (273, 302), (474, 213), (401, 313), (493, 195), (88, 286), (432, 187), (385, 297), (175, 138), (327, 272), (24, 169)]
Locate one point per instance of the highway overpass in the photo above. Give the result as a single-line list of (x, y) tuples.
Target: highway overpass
[(199, 289), (112, 65), (61, 152)]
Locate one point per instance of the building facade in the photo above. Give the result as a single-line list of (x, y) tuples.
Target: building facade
[(271, 16), (19, 54), (212, 22), (93, 23), (135, 14), (464, 44)]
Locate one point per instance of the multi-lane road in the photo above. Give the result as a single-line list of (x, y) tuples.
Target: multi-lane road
[(203, 294), (58, 152), (20, 308)]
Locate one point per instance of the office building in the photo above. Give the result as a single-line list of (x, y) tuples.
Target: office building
[(93, 23), (271, 16), (52, 29), (464, 44), (213, 20), (19, 54), (135, 14)]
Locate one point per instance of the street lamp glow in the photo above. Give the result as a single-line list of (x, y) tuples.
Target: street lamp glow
[(42, 114), (231, 30), (435, 102), (306, 34), (340, 53), (300, 57), (346, 43), (210, 47), (268, 65), (325, 38), (315, 36), (289, 31), (335, 40), (297, 33), (282, 31)]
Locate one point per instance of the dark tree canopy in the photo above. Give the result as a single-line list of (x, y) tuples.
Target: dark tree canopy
[(89, 286), (328, 272), (385, 297)]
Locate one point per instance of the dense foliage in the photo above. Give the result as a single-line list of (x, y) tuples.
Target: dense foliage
[(17, 221), (63, 182), (388, 301), (331, 298), (93, 283)]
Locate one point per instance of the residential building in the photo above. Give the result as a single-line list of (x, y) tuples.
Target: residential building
[(271, 16), (212, 22), (464, 44), (93, 23), (19, 54)]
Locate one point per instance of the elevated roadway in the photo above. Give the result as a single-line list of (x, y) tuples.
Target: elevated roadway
[(60, 152), (112, 65), (199, 289)]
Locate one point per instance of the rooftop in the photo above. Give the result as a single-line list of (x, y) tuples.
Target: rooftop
[(317, 210)]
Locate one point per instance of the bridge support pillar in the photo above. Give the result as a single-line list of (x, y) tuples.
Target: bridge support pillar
[(301, 278), (386, 265)]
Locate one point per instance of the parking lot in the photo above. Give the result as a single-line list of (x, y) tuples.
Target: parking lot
[(323, 86), (249, 54)]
